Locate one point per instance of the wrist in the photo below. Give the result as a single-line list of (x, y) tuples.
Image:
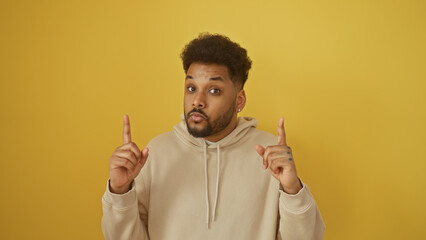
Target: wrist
[(292, 189), (120, 190)]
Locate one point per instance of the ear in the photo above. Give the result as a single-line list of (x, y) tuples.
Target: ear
[(241, 100)]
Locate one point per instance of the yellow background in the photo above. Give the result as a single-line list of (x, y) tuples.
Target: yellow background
[(348, 76)]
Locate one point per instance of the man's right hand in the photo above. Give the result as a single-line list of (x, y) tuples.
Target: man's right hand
[(126, 162)]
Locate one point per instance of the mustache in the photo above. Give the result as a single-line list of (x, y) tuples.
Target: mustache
[(197, 111)]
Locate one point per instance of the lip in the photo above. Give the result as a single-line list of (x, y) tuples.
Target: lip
[(197, 116)]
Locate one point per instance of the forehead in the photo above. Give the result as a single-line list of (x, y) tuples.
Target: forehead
[(203, 70)]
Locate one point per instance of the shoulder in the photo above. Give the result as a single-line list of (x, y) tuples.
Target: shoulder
[(162, 147), (162, 139), (261, 137)]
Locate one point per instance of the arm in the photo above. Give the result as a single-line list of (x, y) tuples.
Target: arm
[(299, 216), (121, 217)]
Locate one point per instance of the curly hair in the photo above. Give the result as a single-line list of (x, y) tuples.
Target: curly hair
[(218, 49)]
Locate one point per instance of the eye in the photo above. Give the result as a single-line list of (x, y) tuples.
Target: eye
[(214, 91), (191, 88)]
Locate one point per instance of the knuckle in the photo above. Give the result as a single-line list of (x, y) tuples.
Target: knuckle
[(268, 150), (135, 147), (267, 158), (115, 157), (131, 166), (129, 154), (274, 148)]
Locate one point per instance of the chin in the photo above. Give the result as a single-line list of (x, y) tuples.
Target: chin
[(197, 126), (198, 130)]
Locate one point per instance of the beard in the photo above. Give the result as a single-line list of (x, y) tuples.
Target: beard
[(214, 126)]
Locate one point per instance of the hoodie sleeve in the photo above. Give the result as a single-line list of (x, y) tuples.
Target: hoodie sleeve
[(299, 216), (121, 216)]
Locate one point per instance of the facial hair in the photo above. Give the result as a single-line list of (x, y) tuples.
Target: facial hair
[(214, 127)]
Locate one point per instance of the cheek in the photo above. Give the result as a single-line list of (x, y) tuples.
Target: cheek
[(226, 103), (219, 107), (187, 102)]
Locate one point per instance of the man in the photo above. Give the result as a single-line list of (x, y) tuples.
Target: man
[(215, 176)]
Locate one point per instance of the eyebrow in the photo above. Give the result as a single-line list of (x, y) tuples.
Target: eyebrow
[(216, 79), (211, 79)]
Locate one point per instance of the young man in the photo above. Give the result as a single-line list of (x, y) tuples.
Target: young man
[(215, 176)]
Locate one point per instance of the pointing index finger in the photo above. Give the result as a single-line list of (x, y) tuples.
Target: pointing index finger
[(281, 133), (126, 130)]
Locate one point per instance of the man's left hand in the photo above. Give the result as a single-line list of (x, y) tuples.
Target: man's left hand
[(279, 159)]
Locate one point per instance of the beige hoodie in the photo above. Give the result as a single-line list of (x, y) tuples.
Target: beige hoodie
[(191, 190)]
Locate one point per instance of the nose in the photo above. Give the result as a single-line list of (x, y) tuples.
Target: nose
[(199, 101)]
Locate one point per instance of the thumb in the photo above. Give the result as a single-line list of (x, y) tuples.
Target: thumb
[(261, 150), (144, 155), (141, 163)]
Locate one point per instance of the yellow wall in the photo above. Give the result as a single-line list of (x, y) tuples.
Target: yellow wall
[(348, 76)]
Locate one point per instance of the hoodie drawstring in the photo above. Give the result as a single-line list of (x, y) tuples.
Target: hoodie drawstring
[(207, 184), (217, 181)]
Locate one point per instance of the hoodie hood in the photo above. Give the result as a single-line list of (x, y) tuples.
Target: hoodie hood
[(243, 126)]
